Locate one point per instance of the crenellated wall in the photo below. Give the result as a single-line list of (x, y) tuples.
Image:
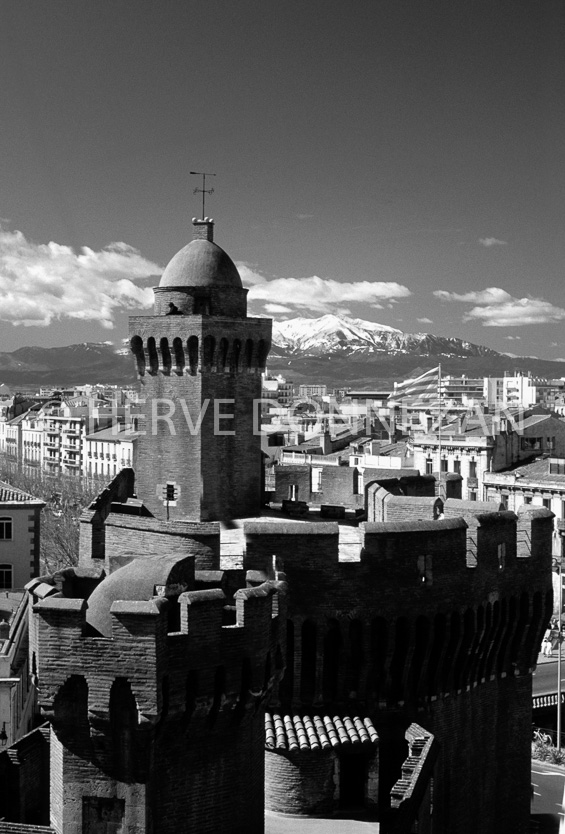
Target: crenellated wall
[(147, 722), (419, 629)]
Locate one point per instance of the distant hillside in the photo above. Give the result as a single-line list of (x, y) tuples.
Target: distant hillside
[(338, 351), (71, 365)]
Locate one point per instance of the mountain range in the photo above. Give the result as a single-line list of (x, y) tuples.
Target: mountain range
[(335, 350)]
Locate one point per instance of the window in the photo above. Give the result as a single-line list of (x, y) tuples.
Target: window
[(457, 467), (531, 444), (527, 499), (472, 496), (5, 577), (557, 466), (546, 503), (563, 509), (443, 465), (504, 500), (317, 479), (5, 528), (357, 482), (429, 466), (472, 468)]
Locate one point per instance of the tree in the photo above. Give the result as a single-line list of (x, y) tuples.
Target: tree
[(65, 497)]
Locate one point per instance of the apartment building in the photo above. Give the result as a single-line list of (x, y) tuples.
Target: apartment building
[(540, 483), (109, 450), (486, 443)]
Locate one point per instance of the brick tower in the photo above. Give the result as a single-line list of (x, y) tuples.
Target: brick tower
[(199, 361)]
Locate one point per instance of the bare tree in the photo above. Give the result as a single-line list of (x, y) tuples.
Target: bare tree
[(65, 496)]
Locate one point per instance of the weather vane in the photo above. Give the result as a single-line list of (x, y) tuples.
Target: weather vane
[(203, 190)]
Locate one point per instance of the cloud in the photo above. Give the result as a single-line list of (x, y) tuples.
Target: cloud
[(248, 275), (277, 308), (497, 308), (318, 295), (425, 321), (304, 216), (492, 295), (513, 338), (41, 283), (492, 241)]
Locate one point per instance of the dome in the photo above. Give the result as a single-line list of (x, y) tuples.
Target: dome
[(201, 263), (137, 581)]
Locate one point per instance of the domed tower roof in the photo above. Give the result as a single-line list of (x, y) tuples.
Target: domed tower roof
[(202, 263)]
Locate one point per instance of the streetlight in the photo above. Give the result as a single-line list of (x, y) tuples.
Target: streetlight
[(559, 638), (560, 597)]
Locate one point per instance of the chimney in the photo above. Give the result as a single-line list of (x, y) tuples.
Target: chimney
[(203, 229)]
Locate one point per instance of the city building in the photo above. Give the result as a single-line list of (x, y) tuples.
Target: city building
[(108, 450), (486, 443), (540, 483), (277, 389), (312, 390), (17, 693), (19, 537), (517, 391)]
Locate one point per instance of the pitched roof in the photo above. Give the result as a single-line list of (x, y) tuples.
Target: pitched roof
[(317, 732), (12, 495)]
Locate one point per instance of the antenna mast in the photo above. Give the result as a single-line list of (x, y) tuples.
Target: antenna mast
[(203, 190)]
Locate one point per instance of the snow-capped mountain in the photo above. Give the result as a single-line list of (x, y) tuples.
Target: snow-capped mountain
[(343, 335)]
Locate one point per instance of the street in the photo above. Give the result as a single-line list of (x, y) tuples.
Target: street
[(545, 678), (548, 781)]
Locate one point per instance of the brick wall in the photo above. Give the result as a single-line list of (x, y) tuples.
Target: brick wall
[(413, 632), (131, 536), (217, 476), (301, 783), (193, 754)]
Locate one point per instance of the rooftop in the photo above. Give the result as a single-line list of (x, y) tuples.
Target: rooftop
[(201, 263), (12, 495), (114, 433), (535, 472)]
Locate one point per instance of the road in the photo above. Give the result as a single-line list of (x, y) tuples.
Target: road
[(545, 678), (548, 782)]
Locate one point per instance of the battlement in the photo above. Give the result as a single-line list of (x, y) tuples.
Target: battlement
[(484, 552), (166, 635)]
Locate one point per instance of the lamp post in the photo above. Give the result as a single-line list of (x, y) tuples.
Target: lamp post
[(560, 597)]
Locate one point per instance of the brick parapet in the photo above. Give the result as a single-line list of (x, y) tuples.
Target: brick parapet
[(144, 650), (136, 535), (428, 561)]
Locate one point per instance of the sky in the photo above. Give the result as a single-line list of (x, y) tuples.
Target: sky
[(399, 161)]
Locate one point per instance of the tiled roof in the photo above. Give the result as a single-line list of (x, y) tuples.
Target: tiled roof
[(317, 732), (11, 495)]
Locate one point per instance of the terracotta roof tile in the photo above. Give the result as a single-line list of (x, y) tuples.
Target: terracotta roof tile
[(317, 732)]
